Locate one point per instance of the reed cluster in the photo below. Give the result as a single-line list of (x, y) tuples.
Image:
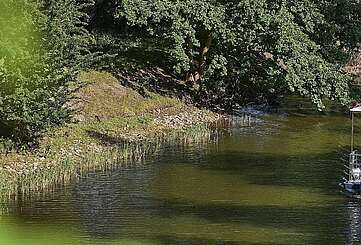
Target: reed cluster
[(120, 128)]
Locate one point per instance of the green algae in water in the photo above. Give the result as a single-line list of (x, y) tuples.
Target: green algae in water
[(182, 227), (191, 227), (209, 194), (194, 228), (16, 232), (294, 136), (208, 187)]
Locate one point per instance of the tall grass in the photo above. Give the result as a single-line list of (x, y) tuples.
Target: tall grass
[(69, 167)]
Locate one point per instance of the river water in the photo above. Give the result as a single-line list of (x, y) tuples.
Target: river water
[(274, 182)]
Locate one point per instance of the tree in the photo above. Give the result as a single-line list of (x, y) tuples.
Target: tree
[(344, 19), (231, 46), (188, 28), (40, 51)]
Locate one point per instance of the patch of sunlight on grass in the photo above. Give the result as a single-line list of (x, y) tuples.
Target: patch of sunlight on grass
[(205, 187), (104, 97)]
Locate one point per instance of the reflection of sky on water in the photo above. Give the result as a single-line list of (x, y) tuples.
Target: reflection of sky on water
[(108, 202), (353, 209)]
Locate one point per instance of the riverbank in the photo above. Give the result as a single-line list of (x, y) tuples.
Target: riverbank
[(114, 124)]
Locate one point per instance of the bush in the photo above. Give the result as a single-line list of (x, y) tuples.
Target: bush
[(39, 50)]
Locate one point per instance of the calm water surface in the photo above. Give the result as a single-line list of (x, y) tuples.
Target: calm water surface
[(272, 183)]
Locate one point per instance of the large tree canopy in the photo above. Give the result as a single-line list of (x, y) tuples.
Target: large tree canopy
[(230, 46)]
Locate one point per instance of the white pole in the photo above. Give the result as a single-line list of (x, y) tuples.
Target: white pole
[(352, 132)]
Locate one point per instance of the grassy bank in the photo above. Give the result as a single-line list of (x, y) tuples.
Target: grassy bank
[(113, 125)]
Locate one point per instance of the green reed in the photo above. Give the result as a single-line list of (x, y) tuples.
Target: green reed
[(69, 167)]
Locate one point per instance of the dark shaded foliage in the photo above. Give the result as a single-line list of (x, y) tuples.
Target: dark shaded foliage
[(240, 51)]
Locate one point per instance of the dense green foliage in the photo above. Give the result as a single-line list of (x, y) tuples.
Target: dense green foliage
[(345, 19), (39, 57), (235, 48), (231, 52)]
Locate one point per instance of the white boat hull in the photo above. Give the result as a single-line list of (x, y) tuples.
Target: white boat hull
[(351, 189)]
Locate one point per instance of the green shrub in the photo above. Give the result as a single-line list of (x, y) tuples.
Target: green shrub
[(41, 44)]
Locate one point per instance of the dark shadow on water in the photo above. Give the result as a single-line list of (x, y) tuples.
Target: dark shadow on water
[(166, 240), (315, 170), (109, 206), (114, 205), (126, 204)]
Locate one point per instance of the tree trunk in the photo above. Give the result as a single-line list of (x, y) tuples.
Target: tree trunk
[(196, 74)]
